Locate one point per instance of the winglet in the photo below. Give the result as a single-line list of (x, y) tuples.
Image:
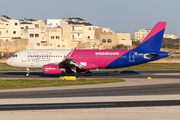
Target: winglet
[(70, 54)]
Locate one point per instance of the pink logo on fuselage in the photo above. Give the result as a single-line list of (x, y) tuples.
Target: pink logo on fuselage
[(39, 56)]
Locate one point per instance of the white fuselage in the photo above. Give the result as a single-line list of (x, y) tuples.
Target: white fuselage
[(36, 58)]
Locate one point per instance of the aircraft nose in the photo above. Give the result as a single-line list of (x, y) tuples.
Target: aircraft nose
[(8, 61)]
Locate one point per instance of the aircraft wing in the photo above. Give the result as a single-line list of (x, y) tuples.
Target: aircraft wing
[(69, 62)]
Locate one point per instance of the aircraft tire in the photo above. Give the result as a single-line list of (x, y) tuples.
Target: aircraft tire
[(76, 74), (27, 75), (88, 74)]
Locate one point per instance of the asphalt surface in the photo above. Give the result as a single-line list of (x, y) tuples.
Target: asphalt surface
[(159, 89), (89, 105), (99, 74)]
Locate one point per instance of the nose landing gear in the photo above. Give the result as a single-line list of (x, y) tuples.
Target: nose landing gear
[(28, 72)]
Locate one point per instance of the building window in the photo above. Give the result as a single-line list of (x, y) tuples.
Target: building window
[(57, 37), (88, 37), (22, 27), (58, 45), (72, 36), (123, 39), (31, 35), (36, 25), (7, 40), (72, 27), (52, 37), (103, 41), (36, 35), (0, 32), (16, 23), (89, 29), (78, 34), (7, 24), (14, 32), (63, 45), (38, 44), (6, 31), (109, 40)]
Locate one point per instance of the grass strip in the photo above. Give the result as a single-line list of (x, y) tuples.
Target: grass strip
[(24, 83)]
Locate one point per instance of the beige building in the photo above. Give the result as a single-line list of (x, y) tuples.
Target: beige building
[(123, 38), (5, 29), (75, 34), (170, 36), (141, 34), (108, 38), (54, 38), (14, 26), (34, 37)]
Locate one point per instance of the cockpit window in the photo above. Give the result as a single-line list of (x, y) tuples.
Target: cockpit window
[(15, 55)]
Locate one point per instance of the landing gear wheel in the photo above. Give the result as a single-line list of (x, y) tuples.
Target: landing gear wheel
[(88, 73), (27, 74), (76, 74)]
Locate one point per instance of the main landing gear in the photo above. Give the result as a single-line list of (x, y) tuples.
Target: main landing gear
[(28, 72), (88, 73), (76, 74)]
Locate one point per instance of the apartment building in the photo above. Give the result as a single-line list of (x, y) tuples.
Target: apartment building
[(11, 27), (108, 38), (76, 33), (53, 23), (141, 34), (5, 29), (67, 33), (123, 38)]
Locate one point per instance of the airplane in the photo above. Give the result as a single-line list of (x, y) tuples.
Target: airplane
[(76, 61)]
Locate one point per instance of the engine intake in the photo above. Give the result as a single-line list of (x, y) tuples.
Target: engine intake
[(53, 69)]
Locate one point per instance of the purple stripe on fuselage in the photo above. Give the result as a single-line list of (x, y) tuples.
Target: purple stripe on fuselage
[(100, 58), (156, 29)]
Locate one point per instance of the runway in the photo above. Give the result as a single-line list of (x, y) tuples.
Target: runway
[(89, 105), (97, 74), (159, 89), (150, 99)]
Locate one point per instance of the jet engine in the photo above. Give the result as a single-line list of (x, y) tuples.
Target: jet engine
[(53, 69)]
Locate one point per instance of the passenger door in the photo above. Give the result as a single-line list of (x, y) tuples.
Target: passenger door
[(131, 56), (24, 57)]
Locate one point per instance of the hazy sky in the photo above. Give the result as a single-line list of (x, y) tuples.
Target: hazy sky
[(118, 15)]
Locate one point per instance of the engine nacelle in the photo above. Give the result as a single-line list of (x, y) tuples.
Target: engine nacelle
[(53, 69)]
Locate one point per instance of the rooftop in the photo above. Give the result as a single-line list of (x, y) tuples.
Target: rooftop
[(4, 20), (77, 23)]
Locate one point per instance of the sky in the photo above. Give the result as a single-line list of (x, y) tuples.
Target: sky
[(119, 15)]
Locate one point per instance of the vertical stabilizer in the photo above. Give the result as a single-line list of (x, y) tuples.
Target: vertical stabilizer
[(153, 40)]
